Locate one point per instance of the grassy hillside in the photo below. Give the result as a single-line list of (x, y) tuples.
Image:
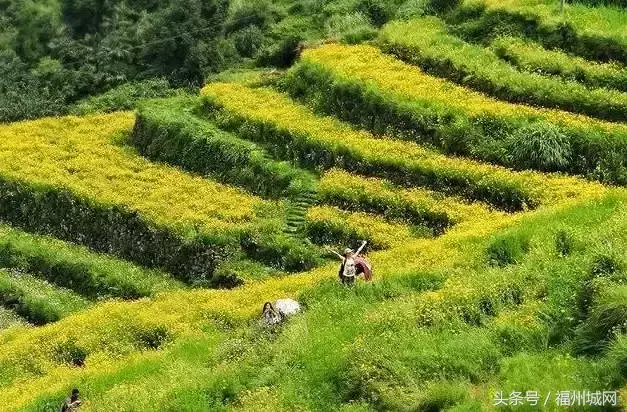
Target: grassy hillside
[(480, 148)]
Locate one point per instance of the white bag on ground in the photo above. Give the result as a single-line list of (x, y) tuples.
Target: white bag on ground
[(287, 307)]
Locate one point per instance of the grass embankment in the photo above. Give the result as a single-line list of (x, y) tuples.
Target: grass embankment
[(88, 274), (330, 225), (531, 57), (384, 95), (267, 116), (36, 300), (595, 33), (168, 130), (8, 319), (427, 43), (72, 179), (416, 206)]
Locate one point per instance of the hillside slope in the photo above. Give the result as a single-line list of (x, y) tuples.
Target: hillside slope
[(138, 248)]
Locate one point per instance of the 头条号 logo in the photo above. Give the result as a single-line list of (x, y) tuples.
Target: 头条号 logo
[(558, 398)]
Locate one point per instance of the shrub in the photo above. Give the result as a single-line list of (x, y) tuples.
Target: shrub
[(258, 14), (607, 319), (152, 338), (564, 243), (441, 396), (606, 265), (442, 6), (69, 353), (124, 97), (412, 8), (507, 250), (350, 28), (248, 41), (24, 95), (282, 54), (540, 146), (379, 12)]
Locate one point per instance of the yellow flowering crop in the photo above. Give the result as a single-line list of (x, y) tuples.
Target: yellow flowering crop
[(338, 182), (428, 43), (271, 108), (79, 154), (368, 64), (380, 233)]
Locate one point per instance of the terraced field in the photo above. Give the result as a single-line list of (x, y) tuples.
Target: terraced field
[(137, 249)]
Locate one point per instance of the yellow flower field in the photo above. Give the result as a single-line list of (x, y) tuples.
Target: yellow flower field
[(384, 192), (273, 108), (380, 233), (81, 155), (368, 64)]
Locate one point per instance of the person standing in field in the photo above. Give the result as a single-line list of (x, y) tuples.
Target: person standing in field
[(353, 265)]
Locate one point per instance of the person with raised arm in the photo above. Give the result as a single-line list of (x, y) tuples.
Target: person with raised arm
[(353, 265)]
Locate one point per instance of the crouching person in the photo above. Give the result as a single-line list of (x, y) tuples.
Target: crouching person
[(72, 402), (283, 308)]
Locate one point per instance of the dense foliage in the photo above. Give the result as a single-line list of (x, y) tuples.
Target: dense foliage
[(64, 50)]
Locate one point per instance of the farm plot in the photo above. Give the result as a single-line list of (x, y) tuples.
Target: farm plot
[(531, 57), (385, 95), (595, 33), (427, 43), (267, 116), (72, 179)]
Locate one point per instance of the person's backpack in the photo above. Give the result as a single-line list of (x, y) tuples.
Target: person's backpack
[(363, 266)]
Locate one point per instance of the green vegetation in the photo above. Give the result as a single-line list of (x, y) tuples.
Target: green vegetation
[(595, 33), (414, 206), (56, 55), (86, 273), (384, 95), (531, 57), (36, 300), (59, 51), (168, 130), (151, 214), (427, 43), (9, 318), (124, 97), (329, 225), (266, 116), (480, 328)]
